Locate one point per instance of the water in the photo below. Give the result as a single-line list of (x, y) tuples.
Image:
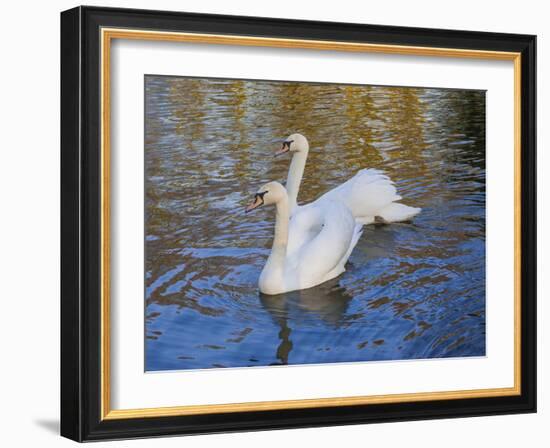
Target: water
[(411, 290)]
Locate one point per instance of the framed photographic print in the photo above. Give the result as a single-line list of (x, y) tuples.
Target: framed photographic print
[(273, 223)]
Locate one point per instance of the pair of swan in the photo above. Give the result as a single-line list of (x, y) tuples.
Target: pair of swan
[(313, 242)]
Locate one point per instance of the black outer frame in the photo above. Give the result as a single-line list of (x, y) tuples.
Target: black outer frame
[(80, 223)]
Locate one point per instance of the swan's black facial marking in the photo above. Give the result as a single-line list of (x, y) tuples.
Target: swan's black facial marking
[(286, 145), (257, 202), (260, 196)]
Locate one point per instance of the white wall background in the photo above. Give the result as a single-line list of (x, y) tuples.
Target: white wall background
[(29, 224)]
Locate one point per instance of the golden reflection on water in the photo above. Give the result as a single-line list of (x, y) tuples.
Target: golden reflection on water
[(410, 291)]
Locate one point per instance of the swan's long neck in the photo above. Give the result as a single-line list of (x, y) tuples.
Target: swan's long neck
[(294, 178), (278, 250)]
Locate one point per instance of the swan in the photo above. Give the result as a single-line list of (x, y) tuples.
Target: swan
[(317, 259), (370, 194)]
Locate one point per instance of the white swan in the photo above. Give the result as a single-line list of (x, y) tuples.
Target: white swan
[(320, 257), (370, 194)]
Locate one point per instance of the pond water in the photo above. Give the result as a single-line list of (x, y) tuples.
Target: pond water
[(411, 290)]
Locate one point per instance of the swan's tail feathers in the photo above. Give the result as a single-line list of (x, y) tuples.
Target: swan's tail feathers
[(396, 212), (365, 220)]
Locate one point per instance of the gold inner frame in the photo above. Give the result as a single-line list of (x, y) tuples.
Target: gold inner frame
[(107, 35)]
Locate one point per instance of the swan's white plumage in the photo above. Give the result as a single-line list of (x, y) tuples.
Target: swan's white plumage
[(369, 195), (396, 212), (313, 242), (321, 244)]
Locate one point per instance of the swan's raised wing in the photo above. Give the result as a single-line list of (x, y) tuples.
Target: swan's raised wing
[(322, 258), (305, 224), (365, 194)]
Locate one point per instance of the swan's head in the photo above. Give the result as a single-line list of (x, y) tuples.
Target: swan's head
[(267, 194), (294, 143)]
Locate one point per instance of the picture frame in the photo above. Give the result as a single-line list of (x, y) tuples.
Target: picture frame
[(86, 209)]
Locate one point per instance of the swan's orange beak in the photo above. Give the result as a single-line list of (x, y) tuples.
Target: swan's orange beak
[(257, 202), (283, 149)]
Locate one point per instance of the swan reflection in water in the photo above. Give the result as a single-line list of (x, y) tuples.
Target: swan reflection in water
[(327, 303)]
